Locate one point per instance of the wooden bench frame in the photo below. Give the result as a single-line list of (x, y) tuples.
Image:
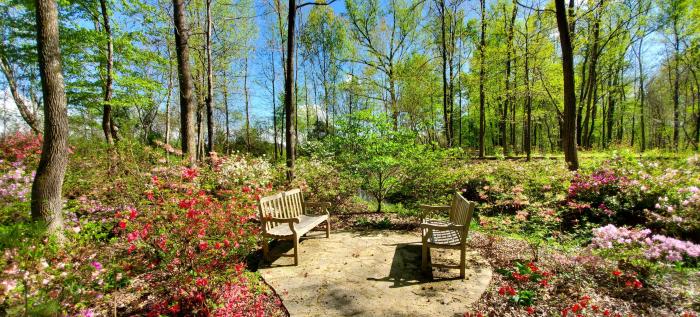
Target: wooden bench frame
[(284, 216), (450, 234)]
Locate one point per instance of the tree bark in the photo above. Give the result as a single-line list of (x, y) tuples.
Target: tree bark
[(274, 105), (676, 83), (443, 54), (290, 113), (107, 124), (187, 129), (210, 79), (569, 124), (46, 202)]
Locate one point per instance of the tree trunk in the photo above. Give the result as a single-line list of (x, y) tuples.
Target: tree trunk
[(289, 90), (528, 97), (676, 83), (170, 88), (508, 93), (107, 124), (29, 117), (642, 134), (247, 105), (227, 116), (209, 98), (443, 55), (569, 124), (187, 129), (482, 74), (46, 202), (274, 106)]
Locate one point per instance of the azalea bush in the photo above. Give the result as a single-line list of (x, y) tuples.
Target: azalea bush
[(188, 238), (640, 245), (627, 191)]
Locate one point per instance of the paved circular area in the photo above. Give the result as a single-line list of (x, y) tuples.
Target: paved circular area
[(372, 273)]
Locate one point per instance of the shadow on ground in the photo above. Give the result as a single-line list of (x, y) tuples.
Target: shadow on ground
[(371, 273)]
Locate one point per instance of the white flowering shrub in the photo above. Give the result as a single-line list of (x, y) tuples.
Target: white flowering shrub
[(238, 169)]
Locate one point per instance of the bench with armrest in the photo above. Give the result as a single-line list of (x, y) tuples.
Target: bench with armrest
[(450, 234), (285, 216)]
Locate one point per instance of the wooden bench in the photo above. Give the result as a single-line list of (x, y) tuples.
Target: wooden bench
[(451, 234), (285, 216)]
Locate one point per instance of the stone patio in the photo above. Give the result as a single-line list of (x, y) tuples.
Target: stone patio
[(372, 273)]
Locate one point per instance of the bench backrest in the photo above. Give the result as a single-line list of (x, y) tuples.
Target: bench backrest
[(461, 210), (289, 204)]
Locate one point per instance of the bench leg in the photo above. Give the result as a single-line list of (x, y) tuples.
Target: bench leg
[(424, 258), (462, 262), (296, 250), (328, 228), (266, 249)]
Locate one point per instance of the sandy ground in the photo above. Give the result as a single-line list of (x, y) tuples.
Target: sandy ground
[(372, 273)]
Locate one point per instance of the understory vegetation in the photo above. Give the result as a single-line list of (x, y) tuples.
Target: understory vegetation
[(146, 235)]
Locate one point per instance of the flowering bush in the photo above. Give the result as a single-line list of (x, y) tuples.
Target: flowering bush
[(652, 246), (238, 170), (190, 242), (20, 147), (15, 181)]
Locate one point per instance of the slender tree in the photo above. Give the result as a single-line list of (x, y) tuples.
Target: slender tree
[(569, 124), (209, 98), (482, 76), (108, 127)]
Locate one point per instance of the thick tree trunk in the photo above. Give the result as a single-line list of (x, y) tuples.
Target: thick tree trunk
[(210, 75), (24, 111), (107, 124), (569, 124), (46, 203), (187, 129), (289, 106), (482, 75)]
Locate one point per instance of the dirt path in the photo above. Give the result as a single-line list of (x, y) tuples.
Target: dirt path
[(372, 273)]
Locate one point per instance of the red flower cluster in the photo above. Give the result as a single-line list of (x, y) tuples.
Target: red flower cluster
[(583, 308), (506, 289), (631, 280)]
